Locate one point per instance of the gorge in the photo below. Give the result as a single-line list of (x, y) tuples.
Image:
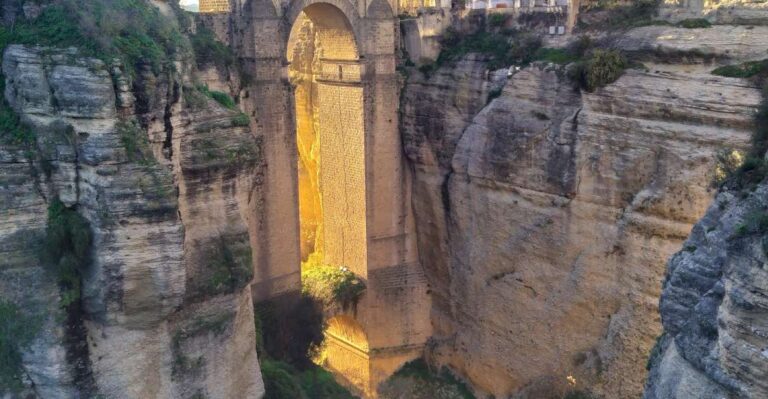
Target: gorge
[(383, 199)]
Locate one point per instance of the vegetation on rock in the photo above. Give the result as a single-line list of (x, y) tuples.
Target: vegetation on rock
[(135, 142), (231, 266), (283, 381), (68, 242), (694, 23), (16, 333), (331, 284), (754, 167), (286, 344), (748, 69), (133, 31), (12, 131), (416, 380), (601, 68), (619, 14), (502, 48), (208, 50)]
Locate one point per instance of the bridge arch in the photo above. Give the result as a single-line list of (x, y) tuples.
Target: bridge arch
[(346, 95)]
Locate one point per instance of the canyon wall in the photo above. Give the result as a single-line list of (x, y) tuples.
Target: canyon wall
[(545, 217), (713, 306), (166, 178)]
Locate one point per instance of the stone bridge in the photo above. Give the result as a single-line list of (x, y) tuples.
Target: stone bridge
[(325, 97)]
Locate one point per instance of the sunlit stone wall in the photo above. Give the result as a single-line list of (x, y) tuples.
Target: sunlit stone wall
[(214, 6), (342, 175)]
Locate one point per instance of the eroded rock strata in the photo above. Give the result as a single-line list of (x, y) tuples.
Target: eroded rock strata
[(165, 187), (545, 219)]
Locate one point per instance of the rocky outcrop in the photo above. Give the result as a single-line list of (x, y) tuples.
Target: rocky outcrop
[(166, 304), (545, 220), (713, 306)]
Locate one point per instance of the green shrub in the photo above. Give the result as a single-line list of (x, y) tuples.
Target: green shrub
[(231, 267), (282, 381), (279, 382), (497, 20), (502, 49), (600, 69), (745, 70), (12, 131), (318, 383), (330, 284), (135, 142), (68, 242), (241, 120), (16, 333), (695, 23), (132, 30), (209, 50), (754, 168)]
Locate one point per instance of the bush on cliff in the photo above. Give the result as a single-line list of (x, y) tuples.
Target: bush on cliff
[(133, 31), (748, 69), (68, 242), (601, 68), (331, 284), (16, 333), (208, 50)]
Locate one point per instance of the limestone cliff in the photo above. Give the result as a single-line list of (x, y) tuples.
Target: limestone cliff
[(546, 217), (165, 184), (713, 307)]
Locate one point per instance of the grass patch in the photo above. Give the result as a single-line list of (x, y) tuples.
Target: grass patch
[(67, 242), (745, 70), (331, 284), (694, 23), (16, 333), (219, 96), (556, 55)]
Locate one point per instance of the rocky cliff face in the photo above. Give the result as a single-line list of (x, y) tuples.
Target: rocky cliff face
[(165, 180), (713, 307), (545, 218)]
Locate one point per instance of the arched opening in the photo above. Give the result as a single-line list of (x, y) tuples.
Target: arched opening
[(325, 71)]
